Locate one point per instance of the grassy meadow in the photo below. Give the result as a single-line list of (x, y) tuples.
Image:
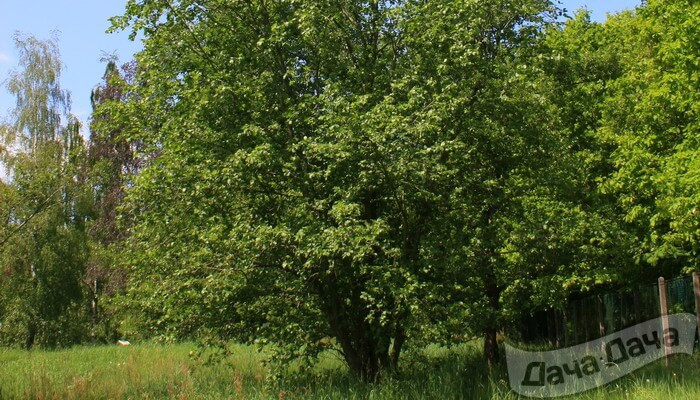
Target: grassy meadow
[(171, 372)]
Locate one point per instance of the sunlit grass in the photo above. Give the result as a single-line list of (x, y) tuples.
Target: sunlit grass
[(171, 372)]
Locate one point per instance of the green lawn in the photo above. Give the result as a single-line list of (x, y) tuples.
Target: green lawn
[(168, 371)]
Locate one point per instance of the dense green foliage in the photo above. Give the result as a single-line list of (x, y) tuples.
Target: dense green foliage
[(651, 118), (44, 243), (357, 176)]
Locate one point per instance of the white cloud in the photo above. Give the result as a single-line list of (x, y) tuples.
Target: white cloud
[(4, 58)]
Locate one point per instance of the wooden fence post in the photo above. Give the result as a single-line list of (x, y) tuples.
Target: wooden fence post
[(696, 285), (586, 313), (557, 327), (601, 317), (601, 321), (664, 317), (551, 327), (637, 311), (565, 323)]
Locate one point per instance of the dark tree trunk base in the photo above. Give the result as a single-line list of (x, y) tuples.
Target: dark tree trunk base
[(491, 348)]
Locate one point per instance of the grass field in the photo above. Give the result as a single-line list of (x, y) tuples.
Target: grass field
[(168, 371)]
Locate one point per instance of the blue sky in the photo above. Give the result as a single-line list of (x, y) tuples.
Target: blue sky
[(82, 25), (82, 40), (599, 8)]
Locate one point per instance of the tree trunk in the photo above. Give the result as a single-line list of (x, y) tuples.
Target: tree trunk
[(366, 348), (399, 340), (491, 346), (95, 304), (31, 335), (490, 334), (364, 362)]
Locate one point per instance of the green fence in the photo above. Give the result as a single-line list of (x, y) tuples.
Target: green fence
[(595, 316)]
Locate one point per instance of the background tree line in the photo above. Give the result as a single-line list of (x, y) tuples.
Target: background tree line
[(361, 176)]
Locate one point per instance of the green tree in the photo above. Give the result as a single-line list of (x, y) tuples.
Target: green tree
[(582, 59), (651, 120), (359, 175), (345, 170), (44, 246), (112, 161)]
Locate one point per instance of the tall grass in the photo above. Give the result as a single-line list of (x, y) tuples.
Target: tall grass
[(171, 372)]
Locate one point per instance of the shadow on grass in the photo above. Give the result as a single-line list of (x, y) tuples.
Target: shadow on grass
[(461, 373)]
